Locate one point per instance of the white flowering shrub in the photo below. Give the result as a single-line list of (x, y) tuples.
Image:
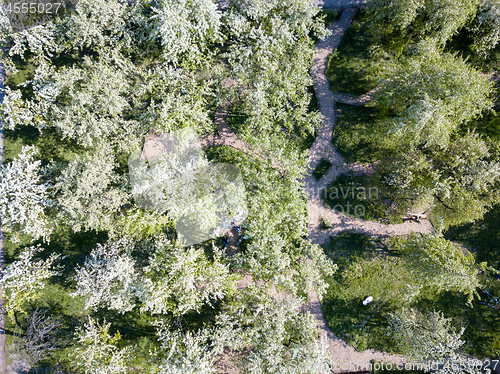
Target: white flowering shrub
[(97, 25), (275, 335), (281, 338), (179, 280), (89, 193), (74, 100), (90, 112), (97, 350), (178, 99), (31, 112), (25, 278), (186, 28), (486, 27), (269, 53), (185, 353), (24, 197), (5, 27), (108, 277), (38, 41)]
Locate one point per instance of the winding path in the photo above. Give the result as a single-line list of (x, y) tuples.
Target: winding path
[(345, 357), (343, 354), (323, 148)]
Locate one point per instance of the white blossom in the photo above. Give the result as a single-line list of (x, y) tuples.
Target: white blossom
[(23, 196), (98, 351), (182, 279), (107, 277), (24, 279)]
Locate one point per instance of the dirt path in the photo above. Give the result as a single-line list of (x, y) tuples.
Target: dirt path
[(345, 357), (323, 148)]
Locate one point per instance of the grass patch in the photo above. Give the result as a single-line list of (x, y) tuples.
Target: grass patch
[(358, 63), (25, 71), (322, 168), (223, 154), (361, 196), (65, 150), (236, 117), (354, 134), (361, 258)]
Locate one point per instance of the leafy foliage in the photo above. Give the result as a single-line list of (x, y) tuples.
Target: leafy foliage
[(454, 184), (193, 353), (321, 169), (271, 56), (24, 197), (98, 351), (439, 263), (180, 280), (186, 29), (97, 26), (486, 27), (107, 278), (282, 338), (24, 279), (89, 193), (431, 95), (419, 19), (424, 336)]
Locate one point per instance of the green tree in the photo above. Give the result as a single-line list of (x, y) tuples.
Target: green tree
[(486, 27), (24, 197), (108, 75), (98, 351), (432, 94), (24, 279), (269, 54), (441, 264), (283, 338), (188, 30), (453, 184), (108, 277), (89, 193), (414, 20), (424, 336)]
